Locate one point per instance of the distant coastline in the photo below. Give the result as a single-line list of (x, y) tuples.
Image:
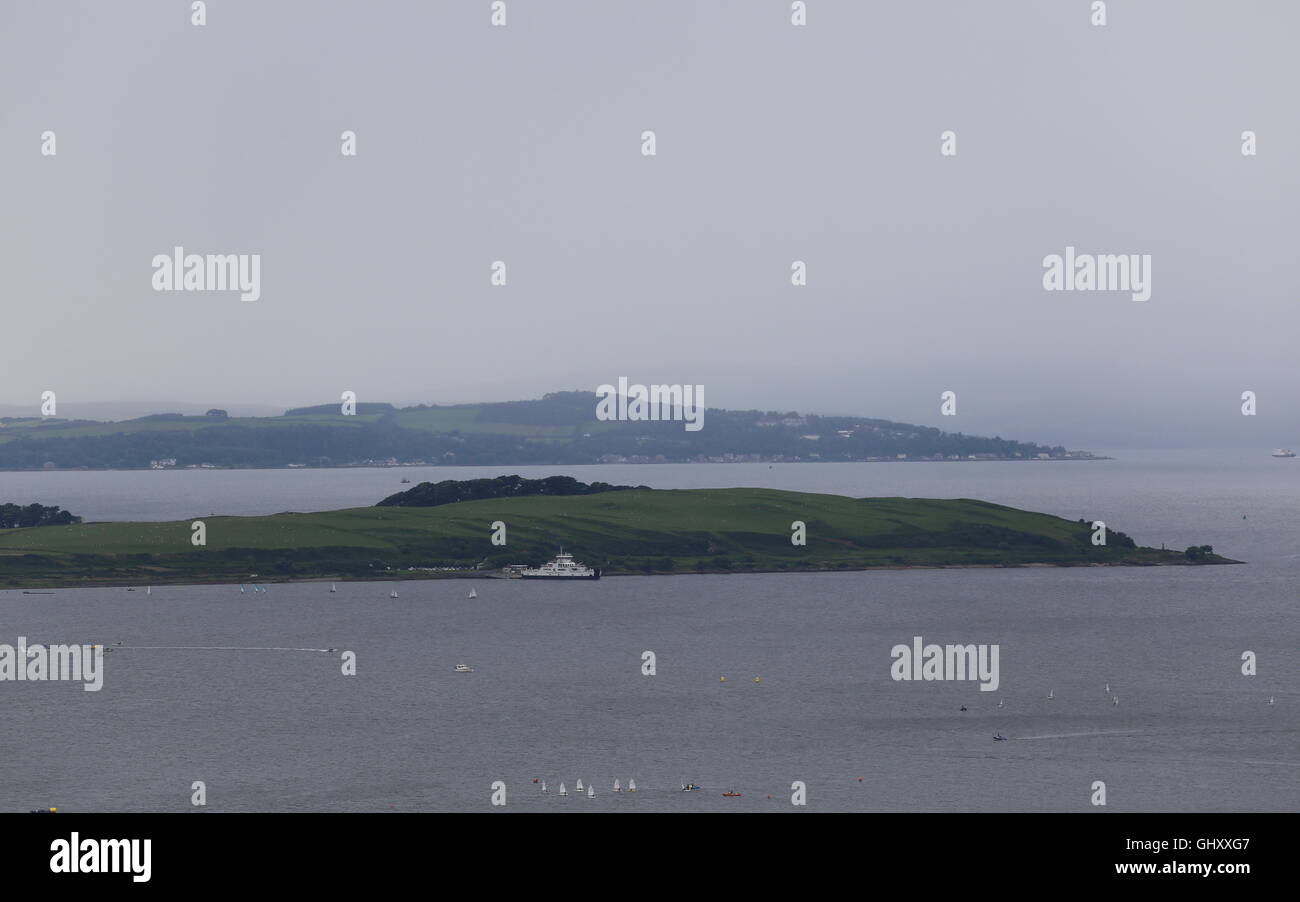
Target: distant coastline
[(426, 464), (559, 429)]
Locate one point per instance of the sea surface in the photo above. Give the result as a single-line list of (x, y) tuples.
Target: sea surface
[(233, 690)]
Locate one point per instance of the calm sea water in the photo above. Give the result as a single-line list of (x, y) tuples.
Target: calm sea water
[(557, 692)]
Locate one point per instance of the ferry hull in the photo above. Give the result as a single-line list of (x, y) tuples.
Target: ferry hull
[(562, 579)]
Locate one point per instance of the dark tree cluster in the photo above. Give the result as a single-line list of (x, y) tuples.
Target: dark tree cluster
[(15, 516)]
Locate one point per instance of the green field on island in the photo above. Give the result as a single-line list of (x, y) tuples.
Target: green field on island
[(622, 532)]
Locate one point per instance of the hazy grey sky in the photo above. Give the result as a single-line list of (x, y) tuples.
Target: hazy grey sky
[(775, 143)]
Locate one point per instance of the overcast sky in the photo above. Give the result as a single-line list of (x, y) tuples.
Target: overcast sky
[(775, 143)]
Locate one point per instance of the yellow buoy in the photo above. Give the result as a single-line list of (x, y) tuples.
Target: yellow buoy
[(722, 679), (755, 679)]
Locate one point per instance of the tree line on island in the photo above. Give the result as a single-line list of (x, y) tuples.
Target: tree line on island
[(15, 516)]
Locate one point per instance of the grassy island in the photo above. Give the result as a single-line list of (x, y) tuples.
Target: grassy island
[(627, 531)]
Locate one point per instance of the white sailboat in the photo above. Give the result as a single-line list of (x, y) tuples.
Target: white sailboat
[(631, 785), (473, 594), (333, 587), (579, 786), (617, 787), (1051, 693), (563, 791), (1108, 688), (392, 594), (591, 792), (1270, 699), (241, 590), (1001, 703), (148, 590), (1114, 700), (544, 789)]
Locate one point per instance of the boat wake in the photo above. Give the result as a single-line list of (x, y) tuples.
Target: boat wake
[(217, 648), (1073, 735)]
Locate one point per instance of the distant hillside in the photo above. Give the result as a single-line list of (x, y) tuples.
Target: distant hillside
[(559, 429)]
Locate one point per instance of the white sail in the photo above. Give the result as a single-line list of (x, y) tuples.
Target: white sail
[(473, 594), (617, 787), (631, 785), (591, 792), (544, 789), (579, 786), (563, 791)]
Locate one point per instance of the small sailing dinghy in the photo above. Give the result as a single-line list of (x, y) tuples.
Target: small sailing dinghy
[(1051, 693), (544, 789), (392, 594), (333, 587), (631, 785), (591, 792), (617, 786), (464, 668), (563, 791), (579, 786), (473, 594), (148, 590)]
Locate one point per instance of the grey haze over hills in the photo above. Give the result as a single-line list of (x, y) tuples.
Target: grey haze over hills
[(775, 144)]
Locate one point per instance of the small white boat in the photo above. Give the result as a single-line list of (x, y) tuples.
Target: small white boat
[(1284, 452), (1001, 703), (333, 587), (617, 786), (591, 792), (1270, 699), (1108, 688), (579, 786), (1114, 700), (544, 789), (392, 594), (241, 590), (149, 590), (563, 791), (1051, 693), (464, 668), (631, 785), (473, 594)]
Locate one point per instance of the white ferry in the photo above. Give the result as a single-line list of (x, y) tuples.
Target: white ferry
[(1284, 452), (563, 567)]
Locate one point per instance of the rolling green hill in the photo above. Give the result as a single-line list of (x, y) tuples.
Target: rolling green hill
[(625, 531)]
